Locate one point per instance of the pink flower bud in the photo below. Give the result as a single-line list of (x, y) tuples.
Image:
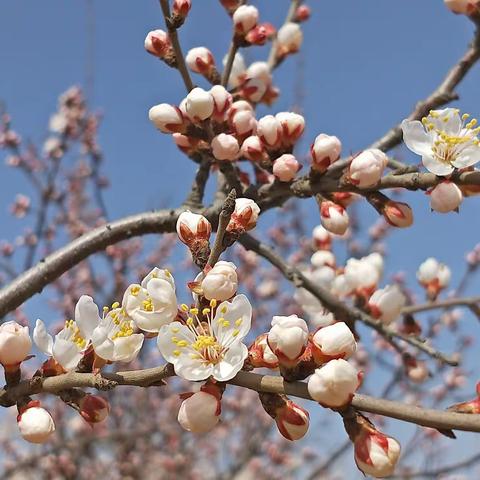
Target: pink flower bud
[(333, 342), (260, 355), (245, 215), (222, 101), (387, 303), (269, 130), (244, 123), (334, 217), (465, 7), (157, 42), (398, 214), (253, 89), (93, 408), (325, 150), (433, 276), (302, 13), (375, 453), (417, 371), (293, 126), (200, 60), (225, 147), (181, 7), (238, 106), (221, 282), (15, 343), (258, 35), (471, 406), (286, 167), (199, 104), (200, 412), (288, 339), (289, 38), (322, 238), (292, 421), (253, 149), (193, 228), (334, 384), (445, 197), (367, 168), (245, 18), (35, 423), (167, 118)]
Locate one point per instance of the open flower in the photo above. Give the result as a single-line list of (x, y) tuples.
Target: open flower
[(209, 344), (73, 340), (153, 303), (444, 139)]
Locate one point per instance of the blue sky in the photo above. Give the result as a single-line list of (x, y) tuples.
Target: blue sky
[(362, 68)]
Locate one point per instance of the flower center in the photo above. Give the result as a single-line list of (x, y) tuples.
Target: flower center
[(75, 335)]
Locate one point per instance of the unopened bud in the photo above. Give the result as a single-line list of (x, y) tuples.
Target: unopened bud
[(286, 167), (289, 39), (387, 303), (157, 42), (245, 18), (269, 130), (260, 354), (398, 214), (225, 147), (332, 342), (199, 104), (334, 217), (245, 215), (293, 126), (445, 197), (35, 423), (367, 168), (200, 60), (167, 118), (200, 412), (15, 344), (93, 408), (221, 282), (325, 150)]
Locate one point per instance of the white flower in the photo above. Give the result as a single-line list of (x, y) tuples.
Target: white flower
[(35, 425), (387, 303), (445, 197), (334, 217), (211, 346), (199, 104), (15, 343), (153, 303), (434, 276), (221, 282), (260, 70), (288, 337), (71, 342), (323, 318), (245, 18), (322, 277), (376, 454), (376, 260), (444, 140), (115, 339), (334, 384), (290, 37), (322, 238), (366, 169), (361, 275), (323, 258), (199, 413), (334, 341)]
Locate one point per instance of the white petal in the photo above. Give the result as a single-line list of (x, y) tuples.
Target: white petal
[(87, 316), (454, 123), (236, 323), (43, 340), (66, 353), (231, 363), (436, 167), (469, 156), (193, 370), (167, 338), (416, 138), (159, 273), (126, 349), (102, 345)]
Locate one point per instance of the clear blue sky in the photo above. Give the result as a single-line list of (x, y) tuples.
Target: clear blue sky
[(365, 64)]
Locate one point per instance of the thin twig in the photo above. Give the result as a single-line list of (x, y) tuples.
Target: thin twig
[(470, 302), (232, 52)]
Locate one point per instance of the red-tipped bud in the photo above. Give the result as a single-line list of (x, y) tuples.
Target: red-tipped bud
[(260, 355), (244, 217), (334, 217), (93, 408), (157, 43), (398, 214), (325, 150), (180, 8), (302, 14), (200, 60)]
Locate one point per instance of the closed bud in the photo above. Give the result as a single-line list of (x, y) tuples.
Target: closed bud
[(322, 238), (362, 275), (245, 18), (325, 150), (199, 104), (244, 123), (93, 408), (333, 342), (433, 276), (286, 167), (167, 118), (472, 406), (269, 130), (334, 384), (200, 412), (187, 145), (260, 354), (193, 228), (35, 423), (445, 197), (302, 13), (221, 282), (334, 217), (292, 421), (293, 126), (397, 214), (180, 8), (244, 217), (253, 149), (253, 89), (239, 106), (200, 60), (387, 303), (15, 344), (259, 35), (225, 147), (465, 7), (260, 70), (417, 371), (367, 168), (237, 75), (157, 42), (375, 453), (288, 338), (222, 101), (289, 39), (323, 258)]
